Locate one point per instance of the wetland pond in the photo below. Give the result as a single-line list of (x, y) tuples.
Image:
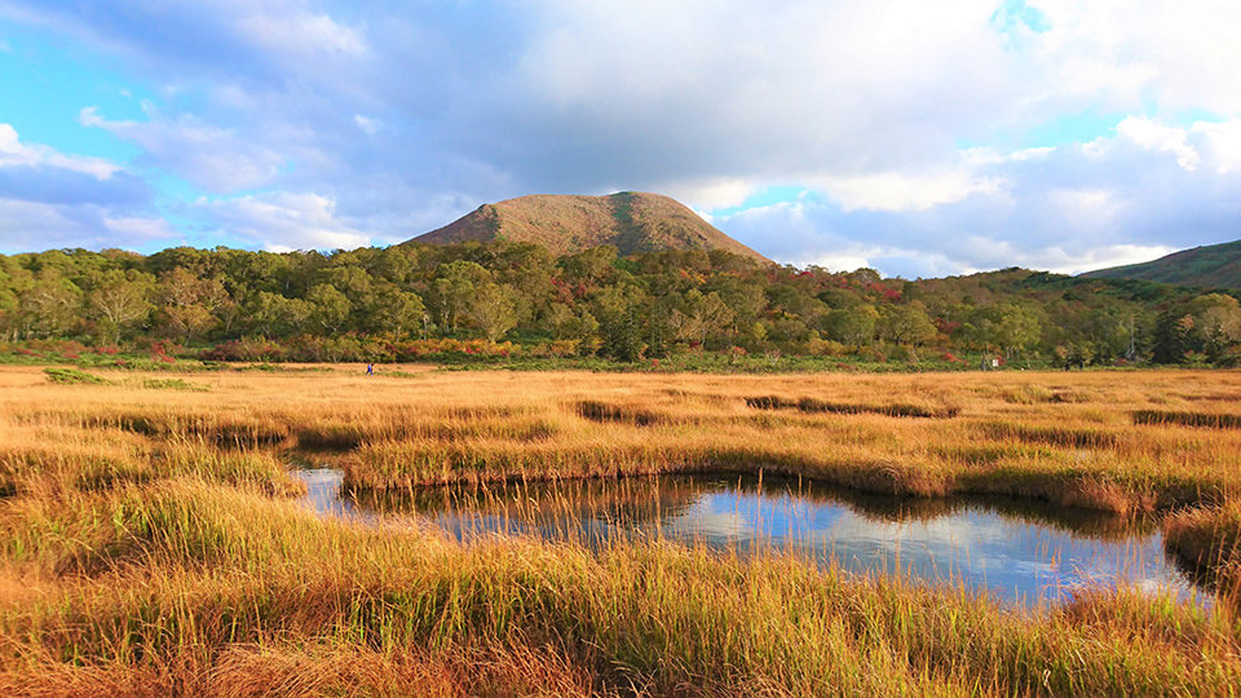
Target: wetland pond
[(1021, 552)]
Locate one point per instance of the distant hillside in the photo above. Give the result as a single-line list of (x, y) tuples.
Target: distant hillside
[(1213, 266), (632, 221)]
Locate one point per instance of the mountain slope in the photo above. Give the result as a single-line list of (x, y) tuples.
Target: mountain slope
[(632, 221), (1213, 266)]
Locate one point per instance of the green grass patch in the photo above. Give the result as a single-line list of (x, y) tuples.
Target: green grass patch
[(72, 376), (173, 384)]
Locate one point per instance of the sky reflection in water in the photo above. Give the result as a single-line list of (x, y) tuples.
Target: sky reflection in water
[(1020, 552)]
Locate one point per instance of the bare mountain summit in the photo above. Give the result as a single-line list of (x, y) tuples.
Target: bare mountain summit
[(632, 221)]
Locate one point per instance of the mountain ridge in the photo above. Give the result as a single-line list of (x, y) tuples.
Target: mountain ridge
[(565, 224), (1206, 266)]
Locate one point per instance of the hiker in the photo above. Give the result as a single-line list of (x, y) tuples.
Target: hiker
[(370, 369)]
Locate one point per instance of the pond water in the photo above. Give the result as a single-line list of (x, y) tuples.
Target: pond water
[(1019, 551)]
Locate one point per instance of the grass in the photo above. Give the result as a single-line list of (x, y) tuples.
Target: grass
[(172, 384), (1189, 419), (152, 544), (72, 376)]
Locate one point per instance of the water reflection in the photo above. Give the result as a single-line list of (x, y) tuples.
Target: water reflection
[(1020, 551)]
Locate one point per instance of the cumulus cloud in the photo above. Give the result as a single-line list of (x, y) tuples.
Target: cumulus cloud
[(217, 159), (1221, 142), (285, 221), (378, 122), (898, 191), (32, 225), (54, 199), (15, 153), (1074, 208), (38, 173), (1152, 135)]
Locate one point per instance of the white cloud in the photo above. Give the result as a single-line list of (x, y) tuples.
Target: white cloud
[(1153, 135), (1085, 209), (1058, 260), (1222, 144), (14, 153), (138, 228), (898, 191), (299, 32), (366, 124), (708, 100), (1180, 54), (214, 158), (711, 193), (27, 226), (285, 221), (845, 260)]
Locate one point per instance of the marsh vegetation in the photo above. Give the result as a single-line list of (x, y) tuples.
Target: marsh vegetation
[(154, 540)]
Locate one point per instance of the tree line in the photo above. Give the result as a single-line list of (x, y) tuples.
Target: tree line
[(366, 304)]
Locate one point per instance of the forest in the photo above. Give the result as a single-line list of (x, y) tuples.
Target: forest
[(500, 299)]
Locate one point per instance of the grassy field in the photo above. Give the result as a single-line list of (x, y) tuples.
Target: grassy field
[(151, 541)]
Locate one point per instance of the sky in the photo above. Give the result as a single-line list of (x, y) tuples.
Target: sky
[(919, 138)]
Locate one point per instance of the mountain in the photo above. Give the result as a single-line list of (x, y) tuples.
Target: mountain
[(632, 221), (1213, 266)]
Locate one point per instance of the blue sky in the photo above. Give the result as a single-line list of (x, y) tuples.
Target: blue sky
[(922, 139)]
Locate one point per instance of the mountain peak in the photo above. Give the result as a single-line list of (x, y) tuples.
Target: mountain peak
[(631, 221)]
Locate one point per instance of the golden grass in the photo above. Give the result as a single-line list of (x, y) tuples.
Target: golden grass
[(150, 546)]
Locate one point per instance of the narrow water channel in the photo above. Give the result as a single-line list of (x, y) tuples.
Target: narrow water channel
[(1018, 551)]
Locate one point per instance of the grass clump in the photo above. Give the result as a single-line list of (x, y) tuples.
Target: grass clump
[(603, 412), (173, 384), (1189, 419), (812, 405), (1207, 540), (62, 375)]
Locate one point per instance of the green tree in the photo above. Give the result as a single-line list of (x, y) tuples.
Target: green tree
[(51, 306), (699, 316), (853, 325), (566, 323), (187, 303), (121, 301), (906, 324), (621, 313), (492, 310), (395, 311), (277, 316), (452, 290), (1011, 327), (1217, 323), (329, 308)]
